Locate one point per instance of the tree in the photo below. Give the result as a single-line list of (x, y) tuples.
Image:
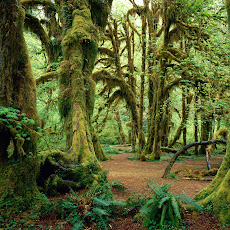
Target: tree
[(18, 90), (55, 170), (217, 193)]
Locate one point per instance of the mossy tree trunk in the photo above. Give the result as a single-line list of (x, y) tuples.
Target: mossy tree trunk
[(77, 87), (141, 135), (152, 26), (120, 127), (130, 44), (227, 3), (196, 125), (217, 193), (17, 90), (206, 127)]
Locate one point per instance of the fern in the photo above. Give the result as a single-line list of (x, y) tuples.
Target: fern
[(102, 204), (163, 207), (190, 201)]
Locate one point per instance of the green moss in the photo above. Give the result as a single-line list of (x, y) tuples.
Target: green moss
[(217, 192), (18, 179), (100, 12)]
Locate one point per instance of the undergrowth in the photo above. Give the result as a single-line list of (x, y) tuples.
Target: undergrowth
[(163, 209), (95, 208)]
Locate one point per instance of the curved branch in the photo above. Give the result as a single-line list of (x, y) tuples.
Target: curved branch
[(180, 151), (34, 25), (125, 92), (130, 12), (46, 77), (103, 50)]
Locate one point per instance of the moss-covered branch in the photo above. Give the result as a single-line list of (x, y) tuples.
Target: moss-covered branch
[(34, 25), (125, 92), (184, 148), (46, 77)]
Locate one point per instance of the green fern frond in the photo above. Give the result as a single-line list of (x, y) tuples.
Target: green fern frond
[(152, 201), (163, 214), (190, 201), (100, 212), (163, 200), (175, 206), (102, 223), (101, 202), (166, 187), (77, 226)]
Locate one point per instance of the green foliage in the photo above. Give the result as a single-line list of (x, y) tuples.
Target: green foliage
[(163, 207), (95, 206), (12, 207), (134, 203), (109, 150), (103, 205), (14, 119)]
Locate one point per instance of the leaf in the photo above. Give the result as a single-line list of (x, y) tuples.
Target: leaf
[(101, 202), (163, 200), (100, 212), (190, 201), (163, 215), (175, 206)]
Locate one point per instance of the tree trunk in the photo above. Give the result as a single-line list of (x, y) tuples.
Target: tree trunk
[(228, 12), (120, 128), (141, 136), (206, 126), (184, 114), (77, 87), (196, 125), (17, 90), (217, 193)]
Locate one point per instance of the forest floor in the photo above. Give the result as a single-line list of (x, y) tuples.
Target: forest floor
[(134, 175)]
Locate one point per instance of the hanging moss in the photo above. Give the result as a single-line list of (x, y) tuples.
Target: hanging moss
[(100, 11)]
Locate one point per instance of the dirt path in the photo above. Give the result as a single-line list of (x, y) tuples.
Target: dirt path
[(135, 174)]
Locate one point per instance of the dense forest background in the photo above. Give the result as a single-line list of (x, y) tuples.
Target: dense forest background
[(153, 75), (194, 99)]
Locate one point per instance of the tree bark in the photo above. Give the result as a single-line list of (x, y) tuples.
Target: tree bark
[(141, 136), (120, 128), (76, 84), (17, 90), (217, 193)]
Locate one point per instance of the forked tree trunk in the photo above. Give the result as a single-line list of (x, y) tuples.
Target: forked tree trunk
[(17, 90)]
